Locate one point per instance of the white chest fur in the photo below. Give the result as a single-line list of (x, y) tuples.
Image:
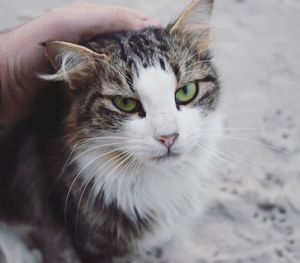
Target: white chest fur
[(170, 195)]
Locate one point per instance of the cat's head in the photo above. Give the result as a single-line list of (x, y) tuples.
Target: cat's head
[(144, 97)]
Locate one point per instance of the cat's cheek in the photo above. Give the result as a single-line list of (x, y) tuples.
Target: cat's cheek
[(189, 123), (139, 137), (136, 128)]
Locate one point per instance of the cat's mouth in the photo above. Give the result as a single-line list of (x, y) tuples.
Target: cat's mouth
[(167, 156)]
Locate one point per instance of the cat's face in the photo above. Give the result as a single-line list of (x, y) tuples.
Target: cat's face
[(146, 96), (159, 105)]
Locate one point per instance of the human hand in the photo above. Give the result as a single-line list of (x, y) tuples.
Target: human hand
[(21, 56)]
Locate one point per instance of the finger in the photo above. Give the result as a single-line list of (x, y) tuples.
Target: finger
[(118, 19), (95, 20)]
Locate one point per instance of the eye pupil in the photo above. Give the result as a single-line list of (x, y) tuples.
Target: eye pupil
[(185, 90)]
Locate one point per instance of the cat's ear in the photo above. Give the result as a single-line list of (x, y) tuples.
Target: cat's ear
[(195, 21), (75, 64)]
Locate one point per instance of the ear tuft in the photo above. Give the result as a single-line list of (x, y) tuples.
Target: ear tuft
[(195, 21), (75, 64)]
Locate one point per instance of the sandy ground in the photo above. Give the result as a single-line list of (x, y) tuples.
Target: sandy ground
[(256, 215)]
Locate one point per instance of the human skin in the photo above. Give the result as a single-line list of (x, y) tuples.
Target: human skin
[(22, 58)]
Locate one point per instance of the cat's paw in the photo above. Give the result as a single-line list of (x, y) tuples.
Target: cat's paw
[(14, 248)]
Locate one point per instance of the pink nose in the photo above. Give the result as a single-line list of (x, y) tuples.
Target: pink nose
[(168, 140)]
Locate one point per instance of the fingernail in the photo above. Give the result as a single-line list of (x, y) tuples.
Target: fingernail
[(152, 23)]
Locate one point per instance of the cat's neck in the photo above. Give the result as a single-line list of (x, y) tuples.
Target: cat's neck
[(143, 191)]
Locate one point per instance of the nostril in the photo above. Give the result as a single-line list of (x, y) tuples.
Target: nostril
[(168, 140)]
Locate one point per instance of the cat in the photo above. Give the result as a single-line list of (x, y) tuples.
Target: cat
[(116, 160)]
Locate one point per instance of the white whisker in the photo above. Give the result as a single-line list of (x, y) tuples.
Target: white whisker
[(239, 139), (121, 156), (81, 171), (90, 149)]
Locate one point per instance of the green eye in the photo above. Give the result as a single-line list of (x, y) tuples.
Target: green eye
[(126, 104), (187, 93)]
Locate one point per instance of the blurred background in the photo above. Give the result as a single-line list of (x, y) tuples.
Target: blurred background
[(255, 216)]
